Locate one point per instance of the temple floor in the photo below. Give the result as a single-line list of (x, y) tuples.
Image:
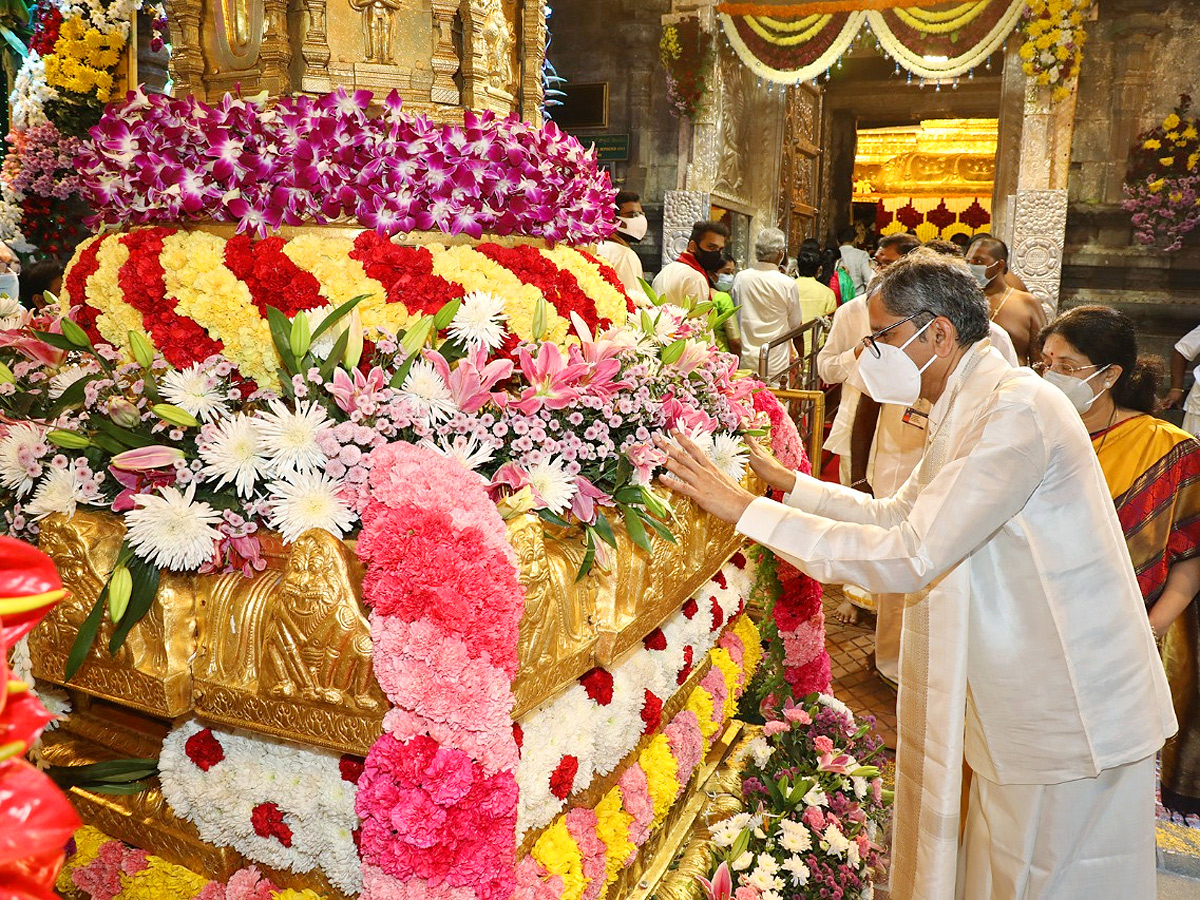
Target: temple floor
[(851, 649)]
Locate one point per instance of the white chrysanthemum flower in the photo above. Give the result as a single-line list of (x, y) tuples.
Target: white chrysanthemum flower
[(797, 869), (289, 439), (728, 454), (235, 454), (552, 484), (838, 843), (59, 491), (20, 450), (63, 379), (425, 389), (480, 320), (171, 529), (816, 797), (463, 449), (831, 702), (307, 501), (12, 314), (194, 390), (796, 837), (761, 751)]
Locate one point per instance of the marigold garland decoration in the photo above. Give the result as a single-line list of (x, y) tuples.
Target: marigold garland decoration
[(687, 53), (1162, 183), (1054, 39)]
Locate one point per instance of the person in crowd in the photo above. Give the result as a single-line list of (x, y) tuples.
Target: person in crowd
[(1186, 350), (1153, 473), (946, 248), (631, 227), (1011, 278), (962, 241), (727, 334), (10, 273), (689, 279), (1017, 312), (1030, 655), (856, 262), (39, 278), (816, 300), (768, 304)]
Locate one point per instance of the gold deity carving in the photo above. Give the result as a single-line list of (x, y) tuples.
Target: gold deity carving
[(238, 33), (377, 27)]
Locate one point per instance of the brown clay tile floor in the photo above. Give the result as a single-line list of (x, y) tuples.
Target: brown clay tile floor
[(851, 651)]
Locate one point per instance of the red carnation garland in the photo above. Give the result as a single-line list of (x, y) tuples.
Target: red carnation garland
[(609, 275), (75, 281), (406, 273), (559, 286), (272, 277), (143, 285)]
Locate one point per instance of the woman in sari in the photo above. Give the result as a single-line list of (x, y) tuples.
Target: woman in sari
[(1153, 473)]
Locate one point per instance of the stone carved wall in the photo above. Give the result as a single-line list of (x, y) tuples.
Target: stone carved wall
[(681, 210), (1039, 231)]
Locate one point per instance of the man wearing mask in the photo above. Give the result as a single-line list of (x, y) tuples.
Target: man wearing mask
[(1017, 312), (1031, 655), (631, 227), (690, 278), (768, 304)]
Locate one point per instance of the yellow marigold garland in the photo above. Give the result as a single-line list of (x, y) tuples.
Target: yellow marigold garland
[(661, 769), (205, 290), (342, 279), (83, 57), (1054, 37), (475, 272), (88, 841), (612, 827), (557, 851), (610, 303), (117, 318), (752, 653), (161, 879)]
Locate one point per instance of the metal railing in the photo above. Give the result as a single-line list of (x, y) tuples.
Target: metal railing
[(799, 384)]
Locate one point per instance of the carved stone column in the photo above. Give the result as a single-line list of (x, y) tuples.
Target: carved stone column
[(445, 59), (487, 68), (314, 49), (533, 45), (276, 52), (681, 210), (187, 62)]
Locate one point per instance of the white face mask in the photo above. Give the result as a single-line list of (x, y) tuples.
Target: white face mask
[(725, 283), (633, 227), (10, 285), (1076, 389), (893, 377), (981, 274)]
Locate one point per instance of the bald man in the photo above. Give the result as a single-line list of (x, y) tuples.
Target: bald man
[(1016, 311)]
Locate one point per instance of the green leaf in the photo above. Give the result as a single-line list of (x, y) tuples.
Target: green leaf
[(553, 518), (416, 336), (661, 530), (741, 844), (72, 396), (281, 335), (332, 319), (118, 789), (648, 291), (117, 433), (673, 351), (62, 342), (720, 320), (633, 524), (150, 388), (604, 529), (145, 589), (86, 636), (651, 501), (646, 322), (446, 314), (112, 770), (104, 442), (335, 355), (589, 557), (700, 309), (15, 42)]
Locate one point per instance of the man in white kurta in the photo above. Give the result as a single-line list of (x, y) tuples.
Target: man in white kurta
[(1030, 655)]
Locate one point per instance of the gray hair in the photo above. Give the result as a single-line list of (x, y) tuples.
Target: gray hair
[(926, 281), (769, 244)]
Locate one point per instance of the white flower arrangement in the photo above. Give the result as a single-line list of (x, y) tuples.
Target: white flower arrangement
[(602, 736), (306, 785)]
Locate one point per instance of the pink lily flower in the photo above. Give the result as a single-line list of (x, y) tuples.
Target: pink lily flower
[(473, 378), (721, 886), (840, 764), (587, 498), (135, 483), (351, 393), (509, 479), (644, 458), (156, 456), (552, 380)]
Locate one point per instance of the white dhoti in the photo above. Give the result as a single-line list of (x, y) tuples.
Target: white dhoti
[(1090, 839)]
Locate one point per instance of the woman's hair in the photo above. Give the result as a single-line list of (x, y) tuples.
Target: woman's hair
[(1106, 337), (808, 260)]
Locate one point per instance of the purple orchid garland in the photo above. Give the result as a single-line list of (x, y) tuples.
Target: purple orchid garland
[(157, 159)]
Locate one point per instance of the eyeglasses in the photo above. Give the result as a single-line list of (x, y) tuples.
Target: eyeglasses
[(1062, 368), (871, 340)]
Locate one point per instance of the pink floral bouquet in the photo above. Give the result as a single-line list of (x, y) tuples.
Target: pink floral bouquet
[(817, 810)]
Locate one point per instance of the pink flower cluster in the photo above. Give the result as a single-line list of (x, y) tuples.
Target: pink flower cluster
[(1165, 209), (44, 163), (159, 159), (438, 795)]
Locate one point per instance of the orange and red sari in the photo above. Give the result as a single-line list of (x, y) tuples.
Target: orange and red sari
[(1153, 474)]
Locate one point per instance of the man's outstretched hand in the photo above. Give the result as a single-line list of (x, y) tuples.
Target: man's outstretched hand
[(695, 476), (769, 469)]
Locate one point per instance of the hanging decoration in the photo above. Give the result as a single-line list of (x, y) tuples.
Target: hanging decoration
[(934, 217), (687, 53), (1162, 184), (1054, 39), (793, 42)]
